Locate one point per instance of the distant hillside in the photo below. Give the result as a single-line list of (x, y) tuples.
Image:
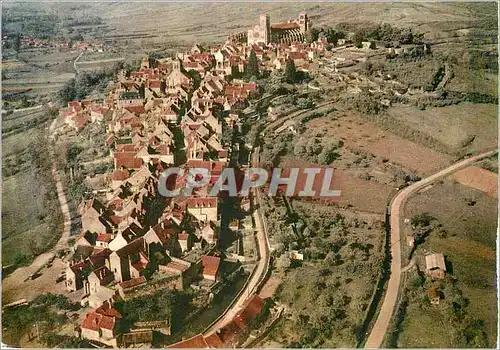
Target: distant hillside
[(206, 22), (216, 20)]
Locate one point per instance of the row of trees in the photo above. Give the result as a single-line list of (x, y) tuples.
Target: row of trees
[(382, 32)]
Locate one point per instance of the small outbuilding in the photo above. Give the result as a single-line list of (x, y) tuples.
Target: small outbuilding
[(435, 265)]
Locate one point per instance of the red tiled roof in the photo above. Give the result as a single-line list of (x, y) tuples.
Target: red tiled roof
[(214, 341), (133, 282), (165, 230), (127, 160), (285, 26), (210, 265), (120, 175), (107, 309), (155, 84), (250, 86), (196, 342), (81, 120), (99, 109), (196, 202), (92, 321), (135, 109), (103, 317), (174, 265), (104, 237), (110, 140), (253, 307), (107, 323), (298, 55)]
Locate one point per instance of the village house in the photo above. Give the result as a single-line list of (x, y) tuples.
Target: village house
[(435, 265), (211, 267), (204, 209), (102, 325), (77, 271), (130, 261)]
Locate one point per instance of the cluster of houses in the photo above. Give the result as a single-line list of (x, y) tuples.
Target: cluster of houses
[(132, 235), (78, 45), (171, 111)]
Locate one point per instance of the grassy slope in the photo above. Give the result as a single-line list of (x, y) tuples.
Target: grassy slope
[(24, 208), (454, 125)]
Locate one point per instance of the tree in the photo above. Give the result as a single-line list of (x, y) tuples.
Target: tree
[(290, 72), (17, 42), (312, 35), (252, 69), (333, 35), (195, 75), (358, 38), (283, 262)]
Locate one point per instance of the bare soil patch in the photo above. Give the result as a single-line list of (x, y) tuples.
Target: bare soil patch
[(480, 179), (270, 287), (353, 189), (364, 135)]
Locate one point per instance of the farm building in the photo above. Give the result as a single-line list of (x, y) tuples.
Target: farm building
[(435, 266)]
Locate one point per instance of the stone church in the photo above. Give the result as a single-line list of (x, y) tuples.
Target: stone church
[(289, 32)]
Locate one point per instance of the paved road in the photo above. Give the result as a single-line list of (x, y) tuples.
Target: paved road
[(381, 325), (260, 270), (17, 277)]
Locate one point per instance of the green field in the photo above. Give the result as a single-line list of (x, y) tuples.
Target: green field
[(30, 210)]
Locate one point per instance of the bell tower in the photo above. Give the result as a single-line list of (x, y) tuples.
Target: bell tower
[(303, 22), (265, 28)]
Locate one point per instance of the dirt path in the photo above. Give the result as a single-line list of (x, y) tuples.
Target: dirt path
[(15, 280), (381, 325)]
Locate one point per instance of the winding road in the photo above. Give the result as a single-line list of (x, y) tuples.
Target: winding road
[(379, 330)]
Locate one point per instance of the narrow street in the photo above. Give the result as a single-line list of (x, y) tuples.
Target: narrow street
[(260, 270)]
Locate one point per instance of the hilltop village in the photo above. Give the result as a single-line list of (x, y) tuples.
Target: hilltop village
[(186, 111), (174, 111)]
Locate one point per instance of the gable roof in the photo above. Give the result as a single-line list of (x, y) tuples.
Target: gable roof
[(435, 261), (133, 282), (104, 317), (250, 310), (210, 265), (133, 247), (196, 342)]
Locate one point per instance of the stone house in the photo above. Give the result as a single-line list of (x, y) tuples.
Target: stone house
[(128, 262), (102, 325)]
